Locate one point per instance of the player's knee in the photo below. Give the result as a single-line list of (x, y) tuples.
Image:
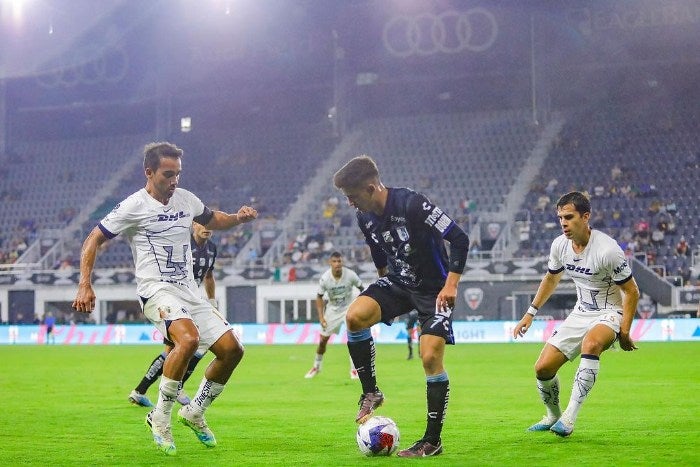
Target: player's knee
[(188, 343), (544, 371), (237, 352), (430, 359), (593, 347), (354, 322)]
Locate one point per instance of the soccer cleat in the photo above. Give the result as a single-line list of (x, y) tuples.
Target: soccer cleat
[(195, 421), (562, 427), (421, 448), (139, 399), (353, 374), (312, 372), (183, 398), (161, 435), (543, 425), (368, 402)]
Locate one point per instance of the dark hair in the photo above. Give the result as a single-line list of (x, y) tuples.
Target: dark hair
[(152, 153), (355, 173), (581, 203), (336, 254)]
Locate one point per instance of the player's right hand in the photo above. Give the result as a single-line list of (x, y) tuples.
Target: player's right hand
[(523, 325), (85, 299)]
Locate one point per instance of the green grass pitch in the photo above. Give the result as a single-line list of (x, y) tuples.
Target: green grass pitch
[(67, 405)]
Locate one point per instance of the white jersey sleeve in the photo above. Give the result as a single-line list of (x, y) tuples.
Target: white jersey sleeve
[(321, 289), (355, 279), (125, 216)]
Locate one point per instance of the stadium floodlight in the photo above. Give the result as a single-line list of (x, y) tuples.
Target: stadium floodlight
[(186, 124)]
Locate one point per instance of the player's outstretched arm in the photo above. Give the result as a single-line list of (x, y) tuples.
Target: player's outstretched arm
[(544, 291), (85, 298), (223, 221)]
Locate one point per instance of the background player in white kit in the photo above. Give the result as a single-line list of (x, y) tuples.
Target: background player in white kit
[(607, 301), (337, 283), (157, 220)]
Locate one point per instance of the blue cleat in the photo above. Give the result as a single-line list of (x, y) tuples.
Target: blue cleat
[(562, 428), (139, 399), (195, 421), (543, 425), (183, 398)]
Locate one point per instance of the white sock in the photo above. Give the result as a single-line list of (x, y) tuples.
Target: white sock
[(167, 393), (207, 392), (318, 360), (549, 393), (585, 378)]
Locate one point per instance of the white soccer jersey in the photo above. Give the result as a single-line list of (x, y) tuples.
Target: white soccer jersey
[(597, 272), (339, 290), (159, 236)]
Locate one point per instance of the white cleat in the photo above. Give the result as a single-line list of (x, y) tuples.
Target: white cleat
[(312, 372), (162, 435), (196, 422), (563, 427)]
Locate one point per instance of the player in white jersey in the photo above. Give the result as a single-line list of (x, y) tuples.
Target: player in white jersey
[(337, 284), (156, 221), (607, 301)]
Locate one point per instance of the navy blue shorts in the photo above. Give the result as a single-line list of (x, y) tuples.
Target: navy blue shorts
[(395, 300)]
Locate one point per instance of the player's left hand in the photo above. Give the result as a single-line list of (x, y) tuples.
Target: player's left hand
[(626, 342), (246, 214), (523, 325), (445, 300)]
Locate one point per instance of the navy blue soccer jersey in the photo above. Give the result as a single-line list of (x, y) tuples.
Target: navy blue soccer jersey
[(409, 238), (203, 258)]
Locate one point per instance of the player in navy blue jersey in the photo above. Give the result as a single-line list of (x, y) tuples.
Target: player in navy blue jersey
[(406, 234), (203, 258)]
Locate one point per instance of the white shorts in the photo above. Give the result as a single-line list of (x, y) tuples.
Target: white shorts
[(171, 303), (334, 320), (569, 336)]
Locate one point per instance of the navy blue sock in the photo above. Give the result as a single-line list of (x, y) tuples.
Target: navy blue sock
[(438, 394), (363, 354)]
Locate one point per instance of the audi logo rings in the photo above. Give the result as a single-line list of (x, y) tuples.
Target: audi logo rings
[(449, 32), (88, 65)]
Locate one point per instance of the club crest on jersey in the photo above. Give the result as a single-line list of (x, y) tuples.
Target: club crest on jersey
[(579, 269), (171, 217), (402, 232)]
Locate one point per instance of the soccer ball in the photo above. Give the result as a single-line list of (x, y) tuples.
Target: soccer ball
[(378, 436)]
